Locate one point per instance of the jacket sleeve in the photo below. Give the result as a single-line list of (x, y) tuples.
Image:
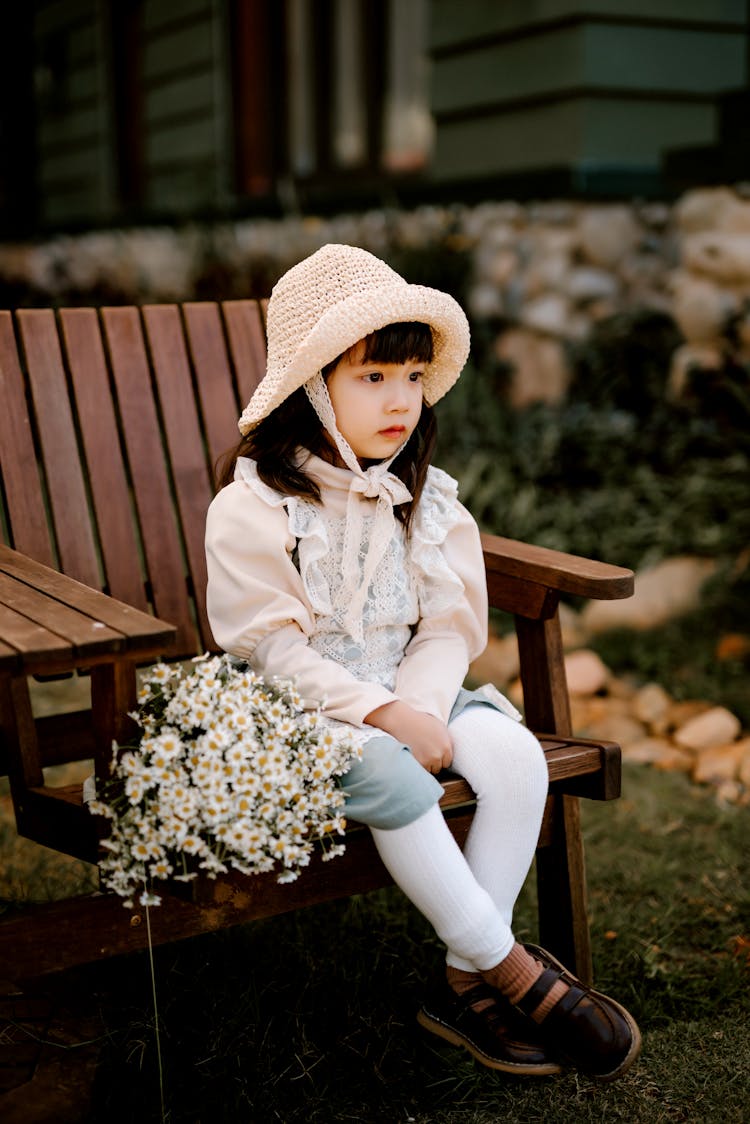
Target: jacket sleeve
[(258, 609), (438, 655)]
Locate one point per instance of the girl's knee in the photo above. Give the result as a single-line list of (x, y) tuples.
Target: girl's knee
[(388, 788), (492, 750)]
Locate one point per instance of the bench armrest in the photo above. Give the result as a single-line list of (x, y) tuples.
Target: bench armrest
[(553, 570)]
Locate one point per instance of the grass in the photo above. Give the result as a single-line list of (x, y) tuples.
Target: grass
[(311, 1017)]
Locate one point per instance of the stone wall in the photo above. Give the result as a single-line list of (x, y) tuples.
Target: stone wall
[(537, 277)]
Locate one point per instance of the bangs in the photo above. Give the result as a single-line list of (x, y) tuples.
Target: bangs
[(399, 343)]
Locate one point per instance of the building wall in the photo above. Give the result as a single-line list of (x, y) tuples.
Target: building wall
[(131, 108), (599, 87), (73, 160), (141, 110)]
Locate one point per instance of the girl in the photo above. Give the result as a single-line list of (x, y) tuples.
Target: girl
[(339, 557)]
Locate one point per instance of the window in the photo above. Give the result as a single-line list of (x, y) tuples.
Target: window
[(337, 92)]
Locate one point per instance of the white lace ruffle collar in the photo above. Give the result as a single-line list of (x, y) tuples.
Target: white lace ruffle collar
[(438, 586)]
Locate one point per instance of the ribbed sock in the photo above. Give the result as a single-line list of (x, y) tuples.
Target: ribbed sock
[(516, 974), (461, 982), (425, 861)]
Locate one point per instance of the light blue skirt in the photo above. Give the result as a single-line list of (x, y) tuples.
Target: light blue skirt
[(387, 787)]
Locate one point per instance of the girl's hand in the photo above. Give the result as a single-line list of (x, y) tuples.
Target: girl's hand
[(427, 737)]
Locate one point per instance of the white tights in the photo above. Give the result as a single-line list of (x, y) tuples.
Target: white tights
[(469, 898)]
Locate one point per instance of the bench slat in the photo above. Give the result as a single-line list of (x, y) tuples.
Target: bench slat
[(65, 484), (68, 623), (247, 343), (22, 485), (192, 481), (148, 470), (107, 475), (116, 615), (213, 378), (21, 634)]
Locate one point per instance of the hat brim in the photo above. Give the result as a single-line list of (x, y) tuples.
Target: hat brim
[(350, 320)]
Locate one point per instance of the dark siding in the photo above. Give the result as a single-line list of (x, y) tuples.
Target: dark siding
[(74, 157), (184, 137), (589, 86)]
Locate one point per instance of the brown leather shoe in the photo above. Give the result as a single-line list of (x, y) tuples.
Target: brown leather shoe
[(494, 1036), (586, 1028)]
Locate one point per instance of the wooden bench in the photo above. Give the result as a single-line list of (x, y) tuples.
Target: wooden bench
[(110, 424)]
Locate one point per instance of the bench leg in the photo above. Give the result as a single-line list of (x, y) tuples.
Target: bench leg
[(561, 887), (113, 698), (561, 872), (21, 745)]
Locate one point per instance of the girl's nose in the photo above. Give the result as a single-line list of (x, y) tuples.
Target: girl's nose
[(398, 400)]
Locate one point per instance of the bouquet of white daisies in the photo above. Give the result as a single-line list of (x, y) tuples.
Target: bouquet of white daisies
[(231, 772)]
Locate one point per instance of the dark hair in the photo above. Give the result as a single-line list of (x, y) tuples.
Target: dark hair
[(274, 441)]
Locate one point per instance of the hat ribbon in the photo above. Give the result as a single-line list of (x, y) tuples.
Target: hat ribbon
[(375, 482)]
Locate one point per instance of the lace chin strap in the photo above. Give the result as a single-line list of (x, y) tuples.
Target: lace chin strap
[(376, 482)]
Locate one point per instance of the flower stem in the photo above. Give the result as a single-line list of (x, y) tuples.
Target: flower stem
[(156, 1017)]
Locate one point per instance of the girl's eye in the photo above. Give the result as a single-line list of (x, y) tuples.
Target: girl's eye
[(373, 376), (416, 376)]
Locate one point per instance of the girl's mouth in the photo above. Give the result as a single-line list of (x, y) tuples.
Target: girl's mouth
[(393, 431)]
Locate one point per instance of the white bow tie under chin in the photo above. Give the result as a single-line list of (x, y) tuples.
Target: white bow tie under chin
[(375, 482)]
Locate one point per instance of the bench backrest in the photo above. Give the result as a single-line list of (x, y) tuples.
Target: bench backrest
[(111, 423)]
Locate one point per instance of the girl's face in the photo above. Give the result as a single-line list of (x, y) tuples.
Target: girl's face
[(377, 405)]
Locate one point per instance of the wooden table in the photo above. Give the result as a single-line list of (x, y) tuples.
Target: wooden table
[(49, 625)]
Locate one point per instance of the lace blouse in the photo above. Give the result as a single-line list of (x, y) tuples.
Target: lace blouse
[(286, 591)]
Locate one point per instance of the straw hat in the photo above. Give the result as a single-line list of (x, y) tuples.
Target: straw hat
[(333, 299)]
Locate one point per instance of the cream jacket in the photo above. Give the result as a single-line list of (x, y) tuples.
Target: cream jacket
[(260, 611)]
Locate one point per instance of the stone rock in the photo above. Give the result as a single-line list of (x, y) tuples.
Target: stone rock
[(715, 728), (700, 307), (545, 272), (655, 215), (553, 211), (712, 208), (730, 792), (548, 313), (658, 752), (675, 760), (501, 267), (586, 672), (678, 714), (742, 333), (540, 372), (498, 663), (573, 634), (482, 221), (723, 256), (662, 592), (651, 703), (644, 269), (587, 283), (485, 301), (622, 688), (743, 771), (693, 357), (619, 728), (589, 710), (607, 234), (719, 763), (545, 241), (514, 692), (600, 310)]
